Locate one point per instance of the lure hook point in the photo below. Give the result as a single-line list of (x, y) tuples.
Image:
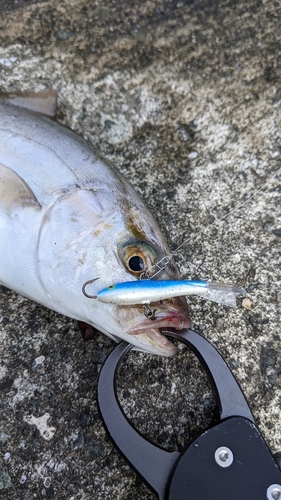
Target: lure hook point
[(84, 288)]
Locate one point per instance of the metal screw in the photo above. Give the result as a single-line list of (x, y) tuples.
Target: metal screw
[(274, 492), (224, 457)]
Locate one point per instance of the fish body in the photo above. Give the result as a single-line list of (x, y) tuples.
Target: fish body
[(67, 215), (147, 291)]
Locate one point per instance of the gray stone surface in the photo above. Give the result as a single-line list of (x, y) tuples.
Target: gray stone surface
[(184, 97)]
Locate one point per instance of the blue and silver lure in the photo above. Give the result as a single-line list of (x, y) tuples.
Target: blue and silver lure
[(147, 291)]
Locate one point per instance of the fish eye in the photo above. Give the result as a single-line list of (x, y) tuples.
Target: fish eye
[(136, 263), (137, 256)]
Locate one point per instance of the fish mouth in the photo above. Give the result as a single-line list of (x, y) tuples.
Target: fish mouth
[(146, 332), (172, 319)]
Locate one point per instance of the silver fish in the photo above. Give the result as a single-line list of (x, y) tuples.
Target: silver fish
[(67, 215)]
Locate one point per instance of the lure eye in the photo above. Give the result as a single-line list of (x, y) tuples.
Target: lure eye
[(136, 263)]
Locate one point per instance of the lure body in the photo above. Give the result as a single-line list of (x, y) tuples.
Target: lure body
[(147, 291)]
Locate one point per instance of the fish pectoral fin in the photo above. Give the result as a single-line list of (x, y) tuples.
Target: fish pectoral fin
[(42, 102), (15, 191), (88, 331)]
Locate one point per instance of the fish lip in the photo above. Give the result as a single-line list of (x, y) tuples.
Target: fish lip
[(174, 319), (152, 341)]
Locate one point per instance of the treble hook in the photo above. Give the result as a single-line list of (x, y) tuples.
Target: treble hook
[(84, 288), (149, 313)]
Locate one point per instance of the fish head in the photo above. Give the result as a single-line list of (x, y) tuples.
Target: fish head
[(114, 246), (138, 324), (135, 248)]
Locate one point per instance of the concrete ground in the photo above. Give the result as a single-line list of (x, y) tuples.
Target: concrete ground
[(184, 97)]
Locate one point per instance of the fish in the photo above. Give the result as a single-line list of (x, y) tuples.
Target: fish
[(67, 215), (146, 291)]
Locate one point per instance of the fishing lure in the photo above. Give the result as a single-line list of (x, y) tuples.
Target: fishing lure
[(147, 291)]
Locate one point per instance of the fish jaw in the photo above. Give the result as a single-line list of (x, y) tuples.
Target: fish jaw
[(152, 341), (146, 332), (175, 320)]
